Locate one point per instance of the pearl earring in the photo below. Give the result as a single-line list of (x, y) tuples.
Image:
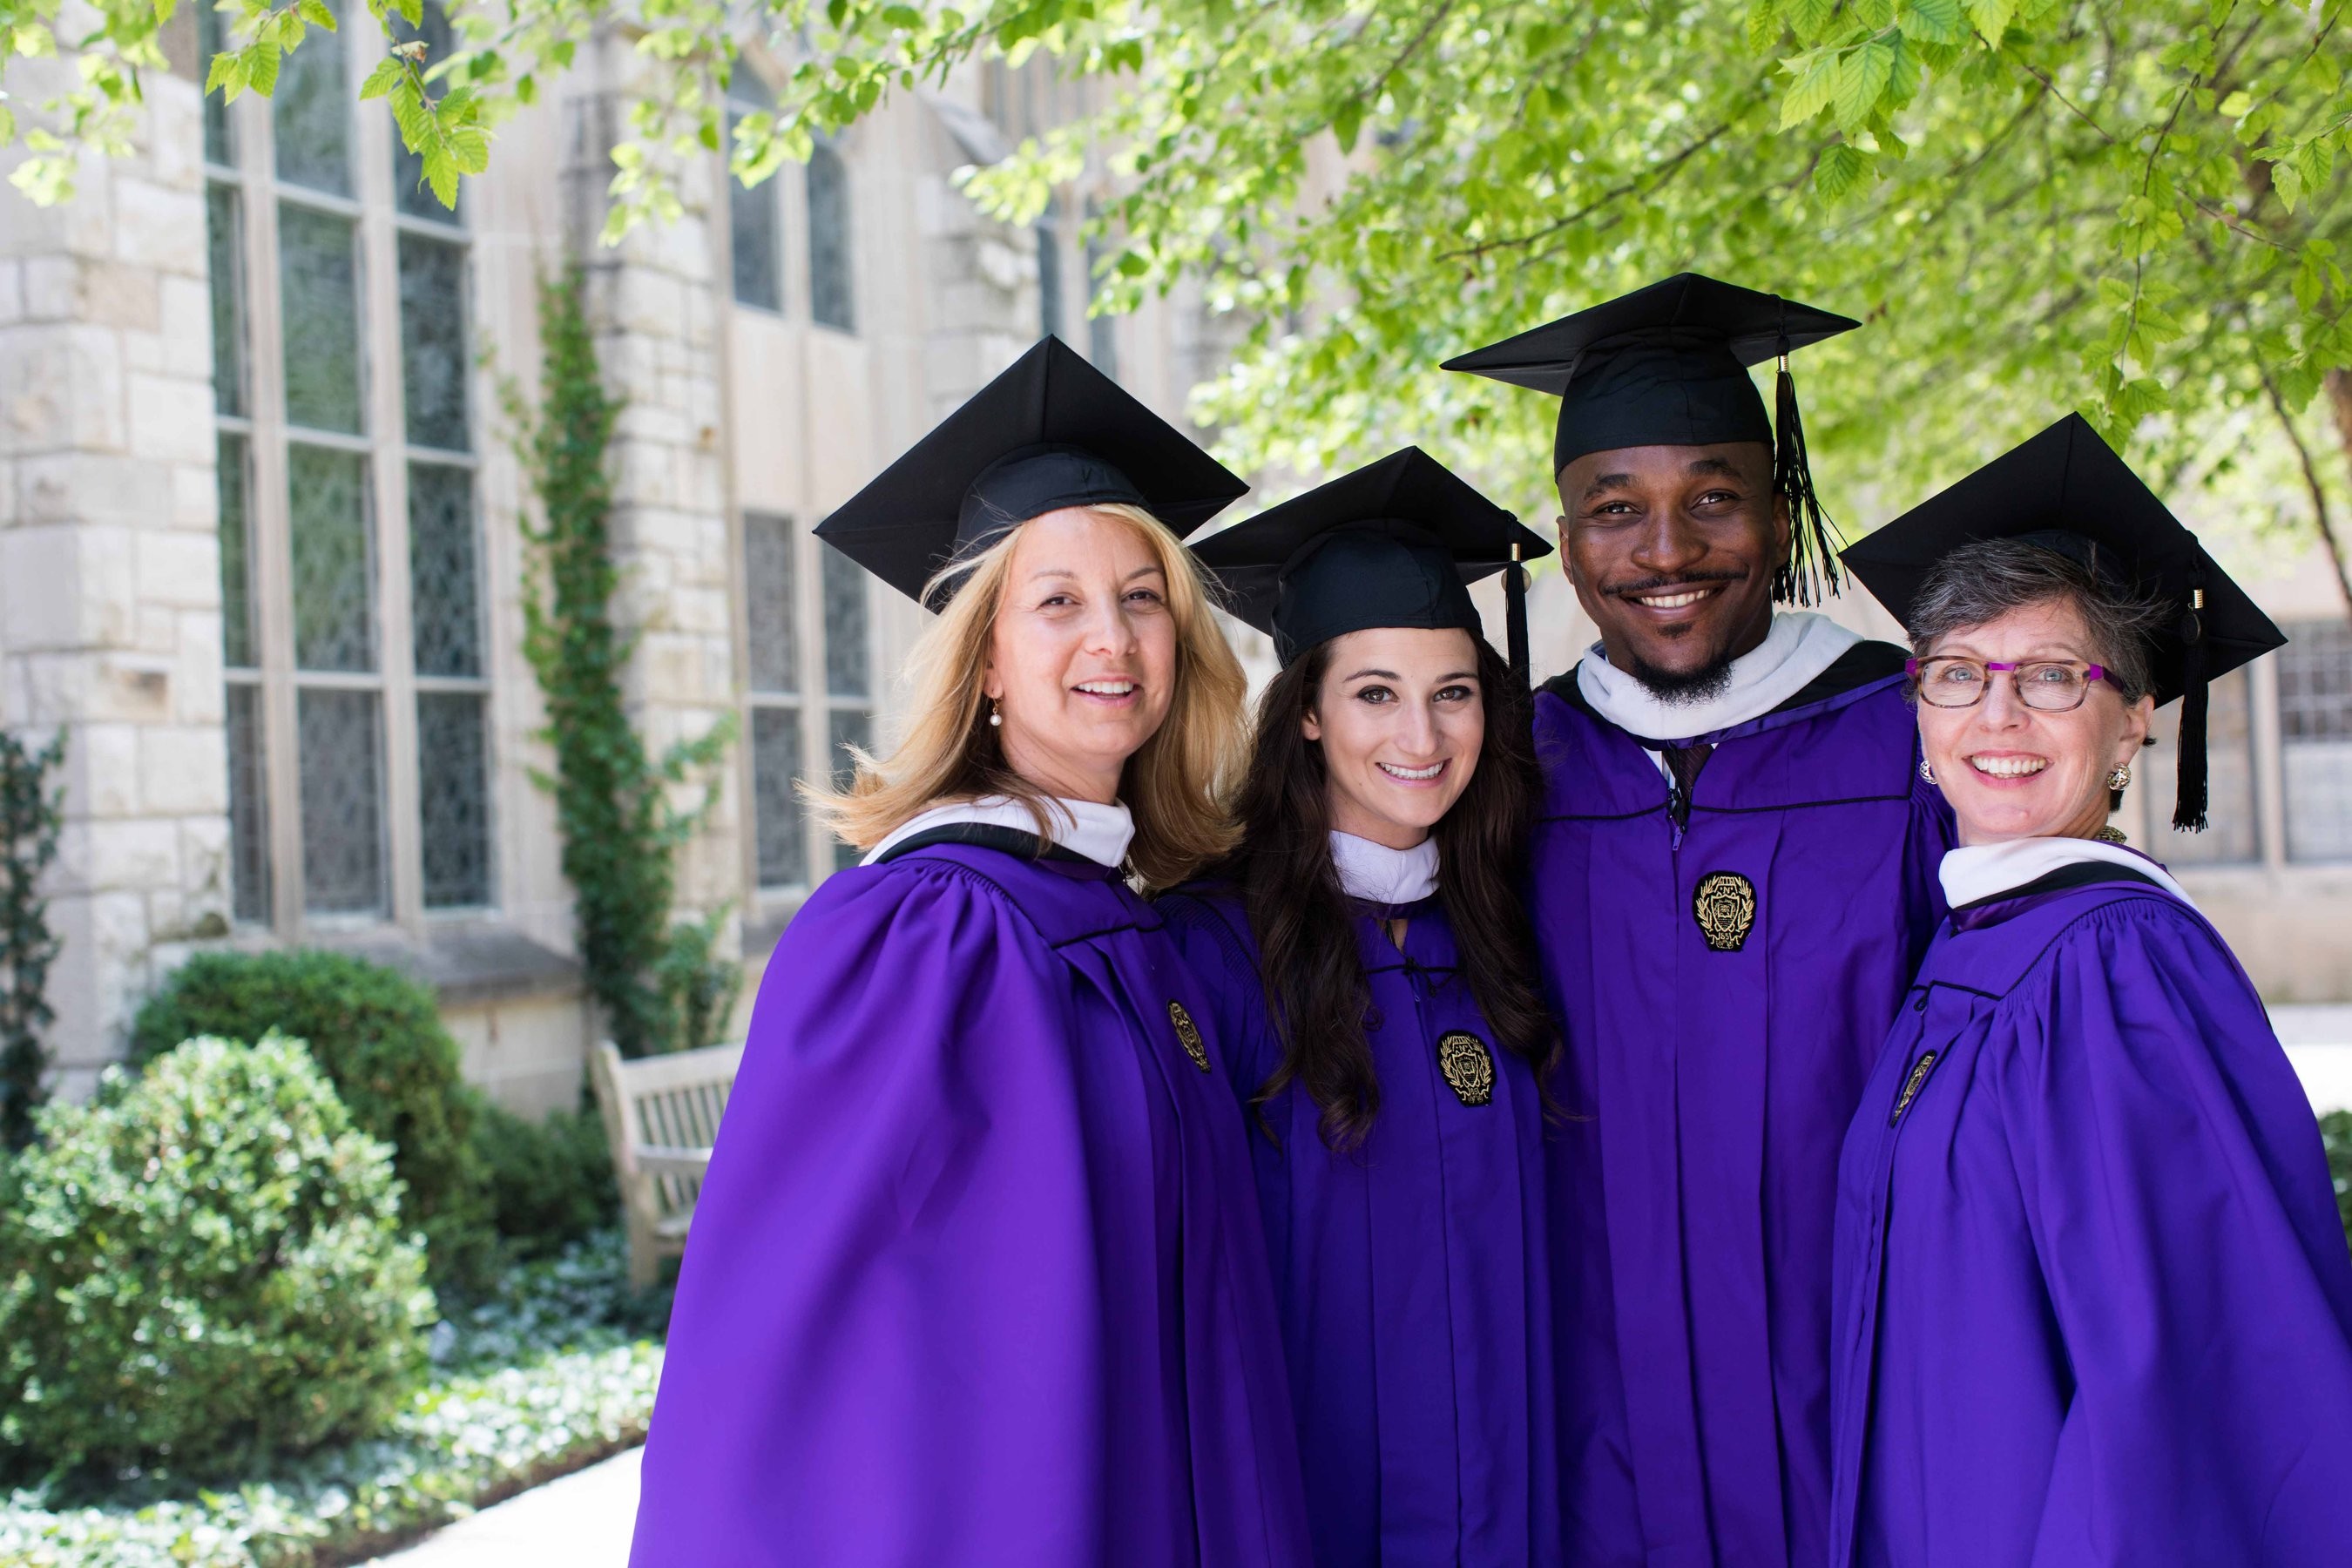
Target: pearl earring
[(2119, 776), (995, 714), (1926, 771)]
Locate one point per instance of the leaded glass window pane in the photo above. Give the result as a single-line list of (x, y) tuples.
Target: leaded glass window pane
[(249, 814), (2235, 834), (318, 281), (409, 190), (334, 599), (2314, 679), (847, 726), (233, 478), (444, 571), (833, 299), (223, 237), (339, 746), (754, 237), (453, 793), (220, 136), (767, 602), (778, 825), (311, 106), (847, 658), (433, 364)]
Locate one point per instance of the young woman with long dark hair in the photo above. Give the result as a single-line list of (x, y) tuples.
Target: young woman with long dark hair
[(1370, 973)]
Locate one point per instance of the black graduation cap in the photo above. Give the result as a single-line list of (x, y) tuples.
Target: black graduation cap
[(1052, 431), (1395, 544), (1667, 366), (2066, 489)]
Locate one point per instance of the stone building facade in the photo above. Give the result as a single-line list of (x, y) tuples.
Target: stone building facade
[(260, 553)]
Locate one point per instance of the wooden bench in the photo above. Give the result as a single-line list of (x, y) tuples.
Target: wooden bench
[(661, 1114)]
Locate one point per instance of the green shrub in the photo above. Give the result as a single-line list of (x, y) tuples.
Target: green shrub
[(204, 1268), (2336, 1132), (377, 1036), (551, 1183)]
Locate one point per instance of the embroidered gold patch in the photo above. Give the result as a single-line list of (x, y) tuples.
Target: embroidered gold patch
[(1468, 1066), (1188, 1036), (1912, 1085), (1725, 907)]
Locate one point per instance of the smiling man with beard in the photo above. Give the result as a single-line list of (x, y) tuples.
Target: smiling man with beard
[(1732, 882)]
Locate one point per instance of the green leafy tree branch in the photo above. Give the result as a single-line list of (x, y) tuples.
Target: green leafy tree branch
[(2131, 206)]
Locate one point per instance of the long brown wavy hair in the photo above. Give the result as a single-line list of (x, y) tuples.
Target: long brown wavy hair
[(1314, 975)]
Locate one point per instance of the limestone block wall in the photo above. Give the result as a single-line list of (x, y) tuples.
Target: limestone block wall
[(656, 302), (110, 574)]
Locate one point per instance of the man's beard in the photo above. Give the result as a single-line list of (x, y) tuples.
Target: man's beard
[(1686, 687)]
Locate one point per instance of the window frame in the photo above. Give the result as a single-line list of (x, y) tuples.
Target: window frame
[(814, 700), (378, 222)]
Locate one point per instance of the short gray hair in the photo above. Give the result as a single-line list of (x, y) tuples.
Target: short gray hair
[(1988, 578)]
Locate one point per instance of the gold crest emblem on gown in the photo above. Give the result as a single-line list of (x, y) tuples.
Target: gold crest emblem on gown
[(1468, 1066), (1187, 1036), (1725, 908)]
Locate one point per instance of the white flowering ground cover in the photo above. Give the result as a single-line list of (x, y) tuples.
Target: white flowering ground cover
[(556, 1373)]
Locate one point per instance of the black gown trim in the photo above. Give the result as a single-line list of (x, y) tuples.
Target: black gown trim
[(2081, 874), (987, 836)]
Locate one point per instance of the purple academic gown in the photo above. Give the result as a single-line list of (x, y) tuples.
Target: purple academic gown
[(976, 1278), (2094, 1305), (1411, 1272), (1712, 1069)]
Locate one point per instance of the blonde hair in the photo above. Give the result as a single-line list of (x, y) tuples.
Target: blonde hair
[(1177, 784)]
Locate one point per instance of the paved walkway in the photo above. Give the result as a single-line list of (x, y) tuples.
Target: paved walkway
[(582, 1520)]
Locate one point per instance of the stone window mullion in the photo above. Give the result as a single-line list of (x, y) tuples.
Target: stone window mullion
[(267, 525)]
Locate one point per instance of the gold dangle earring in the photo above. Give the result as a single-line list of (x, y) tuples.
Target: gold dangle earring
[(2119, 776), (995, 714)]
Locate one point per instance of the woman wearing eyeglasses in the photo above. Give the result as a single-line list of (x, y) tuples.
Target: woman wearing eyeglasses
[(2094, 1303)]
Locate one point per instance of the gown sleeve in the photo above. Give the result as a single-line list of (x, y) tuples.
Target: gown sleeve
[(2197, 1271), (887, 1345)]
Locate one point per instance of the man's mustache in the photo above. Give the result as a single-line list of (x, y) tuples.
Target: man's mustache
[(1680, 579)]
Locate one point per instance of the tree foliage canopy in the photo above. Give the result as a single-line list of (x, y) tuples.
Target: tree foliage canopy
[(2134, 209)]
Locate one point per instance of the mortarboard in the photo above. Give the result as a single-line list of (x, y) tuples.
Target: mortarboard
[(2066, 490), (1395, 544), (1667, 366), (1052, 431)]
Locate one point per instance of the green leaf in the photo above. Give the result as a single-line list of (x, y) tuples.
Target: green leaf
[(1347, 121), (1763, 24), (1808, 17), (380, 80), (1816, 84), (1862, 79), (315, 12), (1933, 21), (1841, 169), (261, 69), (2287, 180), (2235, 106)]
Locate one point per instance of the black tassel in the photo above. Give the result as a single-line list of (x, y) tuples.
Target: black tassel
[(1812, 571), (1515, 618), (2188, 810)]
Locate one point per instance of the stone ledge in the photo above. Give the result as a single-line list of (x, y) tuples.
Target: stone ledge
[(468, 964)]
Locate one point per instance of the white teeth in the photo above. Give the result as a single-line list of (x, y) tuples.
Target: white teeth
[(1417, 775), (1674, 601), (1106, 687), (2008, 767)]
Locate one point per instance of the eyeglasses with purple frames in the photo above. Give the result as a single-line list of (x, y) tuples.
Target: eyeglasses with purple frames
[(2045, 685)]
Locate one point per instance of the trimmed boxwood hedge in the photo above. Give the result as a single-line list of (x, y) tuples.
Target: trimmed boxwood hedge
[(377, 1035), (204, 1267)]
